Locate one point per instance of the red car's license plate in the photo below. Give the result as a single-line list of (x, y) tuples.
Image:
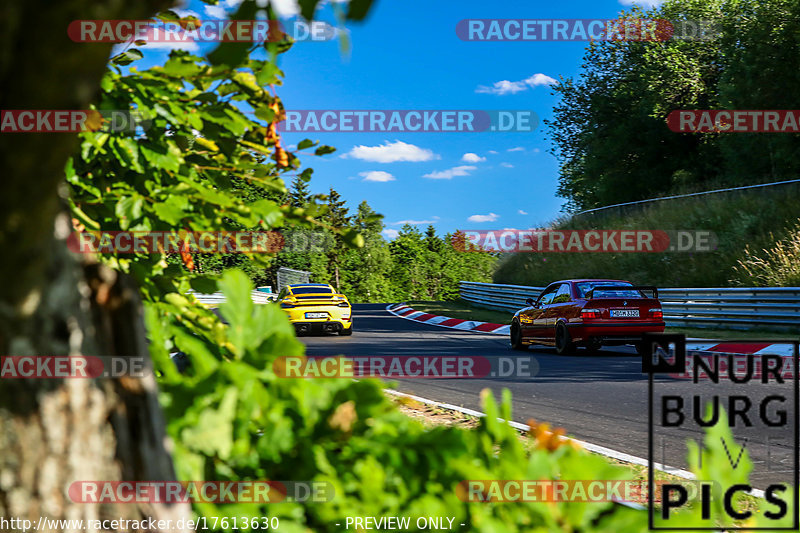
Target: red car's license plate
[(624, 313)]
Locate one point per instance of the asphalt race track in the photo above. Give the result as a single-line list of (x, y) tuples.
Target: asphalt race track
[(600, 398)]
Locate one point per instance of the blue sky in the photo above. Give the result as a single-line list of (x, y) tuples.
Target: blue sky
[(407, 56)]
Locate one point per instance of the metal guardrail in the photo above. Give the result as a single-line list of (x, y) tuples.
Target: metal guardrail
[(213, 300), (694, 194), (731, 308)]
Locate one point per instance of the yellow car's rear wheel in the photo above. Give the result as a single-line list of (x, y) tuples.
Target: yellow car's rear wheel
[(346, 332)]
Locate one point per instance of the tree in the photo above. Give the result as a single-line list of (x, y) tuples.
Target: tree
[(609, 129), (408, 273), (336, 217), (369, 268), (299, 194), (760, 55), (55, 431)]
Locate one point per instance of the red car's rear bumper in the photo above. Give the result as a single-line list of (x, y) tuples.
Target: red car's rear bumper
[(583, 331)]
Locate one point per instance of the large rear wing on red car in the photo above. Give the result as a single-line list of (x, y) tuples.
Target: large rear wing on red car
[(640, 288)]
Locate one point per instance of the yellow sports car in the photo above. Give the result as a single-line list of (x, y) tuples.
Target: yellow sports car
[(317, 307)]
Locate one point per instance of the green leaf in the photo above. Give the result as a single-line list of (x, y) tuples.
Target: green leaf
[(230, 54), (305, 175), (213, 433), (165, 156), (305, 143), (127, 151), (353, 238), (127, 57), (265, 113), (168, 15), (324, 149), (180, 67), (204, 284), (238, 306), (172, 210), (358, 9), (128, 209), (268, 74), (308, 8)]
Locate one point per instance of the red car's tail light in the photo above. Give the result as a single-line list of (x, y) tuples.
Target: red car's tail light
[(656, 313), (590, 313)]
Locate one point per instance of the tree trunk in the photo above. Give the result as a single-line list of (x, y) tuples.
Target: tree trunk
[(57, 431)]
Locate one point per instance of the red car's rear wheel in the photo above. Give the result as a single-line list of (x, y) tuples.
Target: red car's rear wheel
[(564, 344), (516, 337)]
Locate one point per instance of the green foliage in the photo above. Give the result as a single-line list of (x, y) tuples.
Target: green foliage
[(778, 266), (368, 269)]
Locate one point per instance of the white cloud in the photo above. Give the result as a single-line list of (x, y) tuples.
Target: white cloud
[(521, 212), (536, 150), (493, 152), (390, 234), (507, 165), (153, 43), (540, 79), (469, 157), (502, 87), (391, 152), (450, 173), (285, 8), (217, 12), (516, 149), (513, 87), (433, 220), (643, 3), (491, 217), (187, 13), (189, 46), (376, 175)]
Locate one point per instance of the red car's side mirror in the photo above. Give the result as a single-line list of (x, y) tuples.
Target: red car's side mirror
[(530, 302)]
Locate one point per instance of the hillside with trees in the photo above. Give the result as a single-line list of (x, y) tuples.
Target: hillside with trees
[(611, 138)]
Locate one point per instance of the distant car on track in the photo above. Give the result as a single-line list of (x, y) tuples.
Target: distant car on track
[(317, 307), (590, 313)]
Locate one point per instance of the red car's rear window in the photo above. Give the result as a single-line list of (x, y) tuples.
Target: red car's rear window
[(585, 287)]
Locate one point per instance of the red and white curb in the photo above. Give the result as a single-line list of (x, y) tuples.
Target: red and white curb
[(698, 345), (743, 348), (404, 311)]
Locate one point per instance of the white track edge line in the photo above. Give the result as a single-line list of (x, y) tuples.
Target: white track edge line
[(594, 448)]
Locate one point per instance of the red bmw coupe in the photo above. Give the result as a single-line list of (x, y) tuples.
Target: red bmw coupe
[(589, 313)]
